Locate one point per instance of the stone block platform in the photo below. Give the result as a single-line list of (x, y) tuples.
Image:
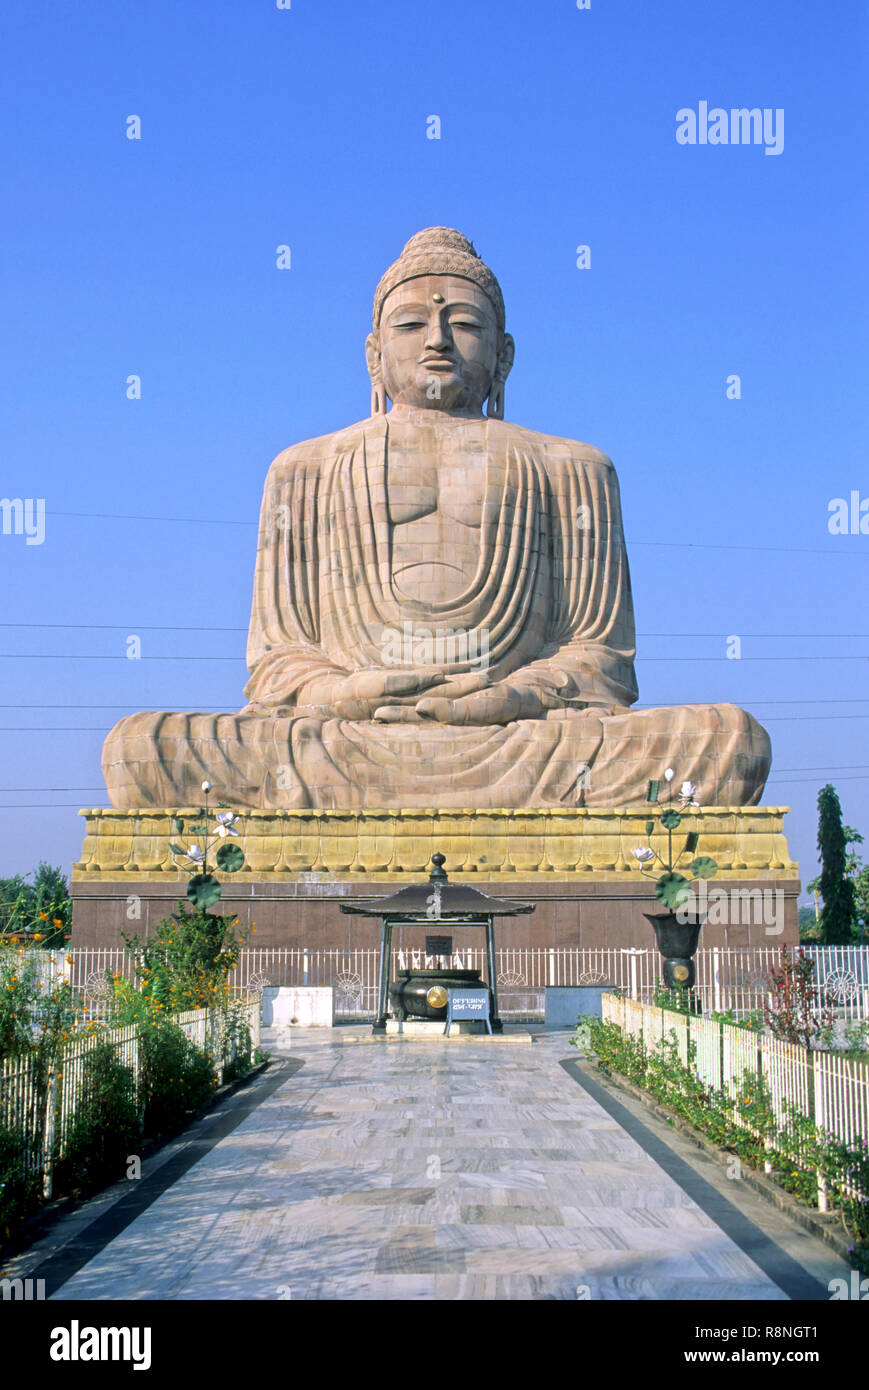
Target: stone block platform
[(576, 864)]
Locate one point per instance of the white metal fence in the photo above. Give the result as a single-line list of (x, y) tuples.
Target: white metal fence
[(38, 1102), (726, 979), (832, 1091)]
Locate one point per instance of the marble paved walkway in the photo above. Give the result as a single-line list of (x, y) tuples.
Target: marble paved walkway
[(412, 1171)]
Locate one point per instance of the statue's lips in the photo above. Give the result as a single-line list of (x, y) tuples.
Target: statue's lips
[(444, 363)]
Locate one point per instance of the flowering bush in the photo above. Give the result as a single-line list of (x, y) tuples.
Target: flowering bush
[(19, 992), (183, 965), (32, 1021)]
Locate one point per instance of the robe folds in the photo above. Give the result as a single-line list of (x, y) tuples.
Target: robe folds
[(549, 607)]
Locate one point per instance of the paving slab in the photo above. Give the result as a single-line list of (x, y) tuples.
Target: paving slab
[(410, 1172)]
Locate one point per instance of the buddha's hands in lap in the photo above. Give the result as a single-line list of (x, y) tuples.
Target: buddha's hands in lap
[(459, 702), (471, 701), (362, 694), (392, 696)]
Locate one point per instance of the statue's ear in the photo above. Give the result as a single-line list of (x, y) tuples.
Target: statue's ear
[(372, 357), (505, 358), (375, 371), (495, 408)]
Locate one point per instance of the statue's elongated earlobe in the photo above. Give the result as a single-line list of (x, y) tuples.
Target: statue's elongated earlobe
[(375, 371), (495, 408)]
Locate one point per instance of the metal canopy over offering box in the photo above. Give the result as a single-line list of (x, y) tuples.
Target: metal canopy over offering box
[(436, 903)]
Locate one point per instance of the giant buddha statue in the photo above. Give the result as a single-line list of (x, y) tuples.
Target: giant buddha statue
[(442, 612)]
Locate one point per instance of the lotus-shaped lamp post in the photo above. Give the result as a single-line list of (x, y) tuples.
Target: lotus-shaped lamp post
[(204, 889), (677, 929)]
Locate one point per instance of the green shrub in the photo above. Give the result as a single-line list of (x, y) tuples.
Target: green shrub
[(19, 994), (32, 1023), (185, 963), (176, 1077), (676, 1000), (753, 1021), (793, 1145), (104, 1125), (236, 1037), (18, 1194)]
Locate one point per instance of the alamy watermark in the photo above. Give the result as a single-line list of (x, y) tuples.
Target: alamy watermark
[(424, 646), (23, 517), (77, 1343), (855, 1288), (731, 907), (849, 516), (24, 1290), (739, 126)]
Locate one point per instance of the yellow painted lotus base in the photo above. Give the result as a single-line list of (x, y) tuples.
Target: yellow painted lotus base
[(395, 846)]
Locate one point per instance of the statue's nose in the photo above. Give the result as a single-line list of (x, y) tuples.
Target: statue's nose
[(439, 336)]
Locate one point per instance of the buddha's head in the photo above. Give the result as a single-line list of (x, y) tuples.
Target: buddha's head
[(438, 341)]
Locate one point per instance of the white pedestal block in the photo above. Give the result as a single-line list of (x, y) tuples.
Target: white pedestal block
[(430, 1028), (286, 1006)]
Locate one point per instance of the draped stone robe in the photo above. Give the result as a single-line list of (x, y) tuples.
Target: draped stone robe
[(549, 606)]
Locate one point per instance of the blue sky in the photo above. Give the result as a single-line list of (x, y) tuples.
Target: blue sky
[(307, 127)]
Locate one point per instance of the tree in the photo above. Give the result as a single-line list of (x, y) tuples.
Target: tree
[(858, 872), (838, 925), (38, 912), (808, 925), (861, 895)]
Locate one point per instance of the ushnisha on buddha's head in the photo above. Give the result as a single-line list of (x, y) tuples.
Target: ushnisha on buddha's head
[(439, 341)]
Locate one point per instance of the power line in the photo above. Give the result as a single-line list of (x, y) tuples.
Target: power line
[(101, 729), (668, 659), (140, 627), (799, 718), (660, 660), (793, 781), (821, 700), (765, 549), (98, 656), (76, 805), (183, 520), (199, 627), (209, 706), (233, 709), (841, 767), (722, 634), (673, 545)]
